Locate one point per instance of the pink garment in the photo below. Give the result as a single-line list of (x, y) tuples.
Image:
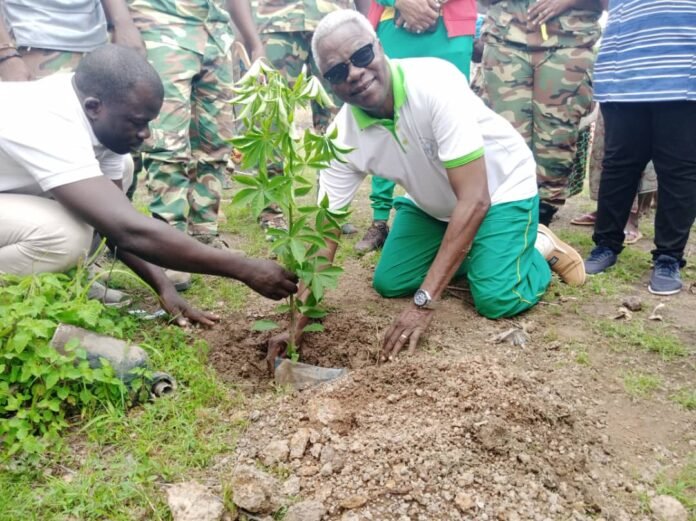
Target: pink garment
[(459, 16)]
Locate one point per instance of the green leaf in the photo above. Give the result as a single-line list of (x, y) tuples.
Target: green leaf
[(313, 328), (264, 325), (51, 379)]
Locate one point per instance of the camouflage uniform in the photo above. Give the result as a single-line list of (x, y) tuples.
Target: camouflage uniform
[(542, 87), (286, 29), (188, 42)]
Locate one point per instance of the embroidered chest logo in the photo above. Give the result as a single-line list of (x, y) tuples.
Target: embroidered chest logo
[(429, 147)]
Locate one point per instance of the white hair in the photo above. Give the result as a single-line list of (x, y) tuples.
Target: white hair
[(333, 21)]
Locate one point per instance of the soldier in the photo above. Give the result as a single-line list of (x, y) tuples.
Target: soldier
[(536, 68), (286, 30), (188, 42)]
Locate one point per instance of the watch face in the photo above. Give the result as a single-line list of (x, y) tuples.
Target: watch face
[(420, 298)]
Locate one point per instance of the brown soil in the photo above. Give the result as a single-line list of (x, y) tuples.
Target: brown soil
[(445, 439), (470, 428)]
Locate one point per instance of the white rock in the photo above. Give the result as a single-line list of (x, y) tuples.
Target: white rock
[(192, 501), (255, 490), (291, 486), (275, 452), (666, 508), (305, 511), (298, 443)]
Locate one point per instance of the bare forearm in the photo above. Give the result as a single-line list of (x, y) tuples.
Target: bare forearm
[(153, 275), (116, 12), (240, 11), (461, 230), (160, 244)]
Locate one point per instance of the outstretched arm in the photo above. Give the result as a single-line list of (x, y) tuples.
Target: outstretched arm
[(102, 205), (470, 186)]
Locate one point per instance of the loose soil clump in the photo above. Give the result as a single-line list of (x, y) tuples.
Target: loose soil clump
[(424, 439)]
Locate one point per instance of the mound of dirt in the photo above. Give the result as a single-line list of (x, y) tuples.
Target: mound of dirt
[(444, 440), (351, 340)]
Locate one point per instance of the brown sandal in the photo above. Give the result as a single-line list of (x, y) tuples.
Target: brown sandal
[(587, 219)]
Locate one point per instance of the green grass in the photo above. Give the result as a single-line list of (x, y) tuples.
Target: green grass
[(582, 358), (641, 385), (682, 486), (685, 397), (655, 339), (115, 467)]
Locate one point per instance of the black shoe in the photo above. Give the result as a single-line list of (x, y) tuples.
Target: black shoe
[(546, 213), (374, 237), (599, 260)]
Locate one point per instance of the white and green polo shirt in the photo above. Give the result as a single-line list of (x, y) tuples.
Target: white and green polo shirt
[(439, 123)]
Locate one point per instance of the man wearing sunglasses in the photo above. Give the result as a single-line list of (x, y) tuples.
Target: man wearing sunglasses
[(471, 206)]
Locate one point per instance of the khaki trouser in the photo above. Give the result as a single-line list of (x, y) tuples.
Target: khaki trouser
[(40, 235)]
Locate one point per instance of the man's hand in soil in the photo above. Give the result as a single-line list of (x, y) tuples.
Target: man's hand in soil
[(409, 327), (182, 312)]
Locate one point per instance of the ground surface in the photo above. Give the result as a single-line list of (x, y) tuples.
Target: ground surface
[(587, 420), (583, 421)]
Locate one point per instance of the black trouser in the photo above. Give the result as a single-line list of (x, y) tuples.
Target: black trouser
[(635, 133)]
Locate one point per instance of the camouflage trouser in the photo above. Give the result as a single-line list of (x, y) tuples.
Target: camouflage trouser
[(288, 52), (188, 152), (543, 94), (44, 62)]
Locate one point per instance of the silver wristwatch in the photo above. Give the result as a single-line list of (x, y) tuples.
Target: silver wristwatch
[(422, 299)]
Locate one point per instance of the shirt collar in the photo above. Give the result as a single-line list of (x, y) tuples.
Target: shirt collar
[(364, 120)]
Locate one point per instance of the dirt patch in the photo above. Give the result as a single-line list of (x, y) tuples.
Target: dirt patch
[(351, 340), (436, 439)]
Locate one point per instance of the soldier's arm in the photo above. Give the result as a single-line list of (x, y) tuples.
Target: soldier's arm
[(124, 30), (240, 11), (12, 67)]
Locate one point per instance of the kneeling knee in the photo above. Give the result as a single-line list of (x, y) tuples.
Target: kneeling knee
[(388, 287)]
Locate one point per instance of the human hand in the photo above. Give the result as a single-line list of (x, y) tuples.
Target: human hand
[(277, 347), (417, 15), (410, 325), (182, 312), (14, 69), (129, 36), (257, 51), (543, 10), (271, 280)]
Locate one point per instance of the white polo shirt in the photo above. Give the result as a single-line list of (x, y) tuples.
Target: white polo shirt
[(46, 139), (439, 123)]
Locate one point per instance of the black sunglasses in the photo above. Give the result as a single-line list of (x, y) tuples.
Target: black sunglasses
[(360, 58)]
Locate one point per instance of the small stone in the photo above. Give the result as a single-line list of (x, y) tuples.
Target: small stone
[(326, 469), (419, 392), (666, 508), (352, 502), (316, 450), (291, 486), (465, 479), (192, 501), (275, 452), (524, 458), (254, 415), (633, 303), (298, 443), (255, 490), (305, 511), (308, 470), (464, 502)]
